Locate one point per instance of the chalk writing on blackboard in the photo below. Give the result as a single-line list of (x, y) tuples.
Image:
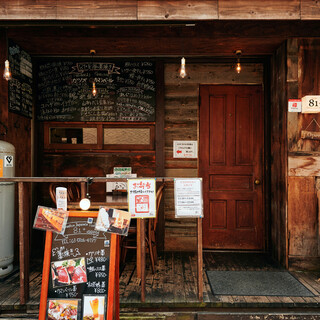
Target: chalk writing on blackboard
[(20, 87), (126, 90), (79, 260)]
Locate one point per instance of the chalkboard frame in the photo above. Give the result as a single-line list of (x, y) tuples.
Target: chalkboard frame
[(113, 304)]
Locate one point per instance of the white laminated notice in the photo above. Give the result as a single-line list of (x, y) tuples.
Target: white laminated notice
[(61, 198)]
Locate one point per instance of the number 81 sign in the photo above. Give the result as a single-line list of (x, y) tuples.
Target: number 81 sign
[(311, 104)]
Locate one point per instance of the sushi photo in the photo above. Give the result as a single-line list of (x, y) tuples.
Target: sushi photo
[(68, 272)]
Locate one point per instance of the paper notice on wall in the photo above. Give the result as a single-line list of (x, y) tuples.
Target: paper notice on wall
[(188, 198), (185, 149)]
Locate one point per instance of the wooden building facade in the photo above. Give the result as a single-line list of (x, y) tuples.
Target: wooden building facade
[(257, 168)]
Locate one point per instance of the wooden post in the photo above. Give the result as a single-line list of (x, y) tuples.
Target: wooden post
[(117, 285), (45, 276), (143, 259), (112, 287), (23, 247), (200, 259), (138, 248)]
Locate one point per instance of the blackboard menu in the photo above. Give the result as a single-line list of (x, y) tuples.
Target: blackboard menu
[(79, 260), (20, 86), (126, 90)]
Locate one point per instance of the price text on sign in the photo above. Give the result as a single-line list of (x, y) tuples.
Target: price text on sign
[(311, 104), (142, 198)]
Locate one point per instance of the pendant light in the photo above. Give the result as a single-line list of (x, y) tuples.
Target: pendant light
[(94, 89), (183, 68), (238, 65), (7, 75), (7, 72)]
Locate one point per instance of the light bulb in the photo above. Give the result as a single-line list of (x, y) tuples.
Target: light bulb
[(85, 204), (238, 67), (7, 73), (94, 90), (183, 68)]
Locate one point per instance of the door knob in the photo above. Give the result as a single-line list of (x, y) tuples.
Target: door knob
[(257, 182)]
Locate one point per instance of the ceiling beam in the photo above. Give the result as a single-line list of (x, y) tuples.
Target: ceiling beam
[(164, 10)]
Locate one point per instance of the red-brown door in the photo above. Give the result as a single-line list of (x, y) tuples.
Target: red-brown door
[(231, 156)]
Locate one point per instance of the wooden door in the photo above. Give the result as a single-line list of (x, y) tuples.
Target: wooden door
[(231, 156)]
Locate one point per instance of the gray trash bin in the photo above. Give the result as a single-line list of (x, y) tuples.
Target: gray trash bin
[(7, 165)]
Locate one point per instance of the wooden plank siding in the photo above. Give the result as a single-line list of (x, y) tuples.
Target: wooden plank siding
[(302, 218), (271, 9), (144, 10), (181, 123), (303, 157), (278, 183), (310, 9), (177, 10)]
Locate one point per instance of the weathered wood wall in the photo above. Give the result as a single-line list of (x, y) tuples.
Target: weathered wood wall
[(278, 153), (95, 165), (19, 135), (139, 10), (181, 123), (303, 157)]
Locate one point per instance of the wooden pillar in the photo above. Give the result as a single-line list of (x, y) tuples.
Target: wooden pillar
[(23, 247), (200, 259), (143, 259), (159, 141)]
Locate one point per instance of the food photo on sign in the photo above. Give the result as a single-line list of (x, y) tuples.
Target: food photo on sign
[(62, 309), (68, 272), (113, 221), (50, 219)]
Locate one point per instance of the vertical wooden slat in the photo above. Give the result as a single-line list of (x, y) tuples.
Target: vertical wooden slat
[(23, 247), (200, 259)]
